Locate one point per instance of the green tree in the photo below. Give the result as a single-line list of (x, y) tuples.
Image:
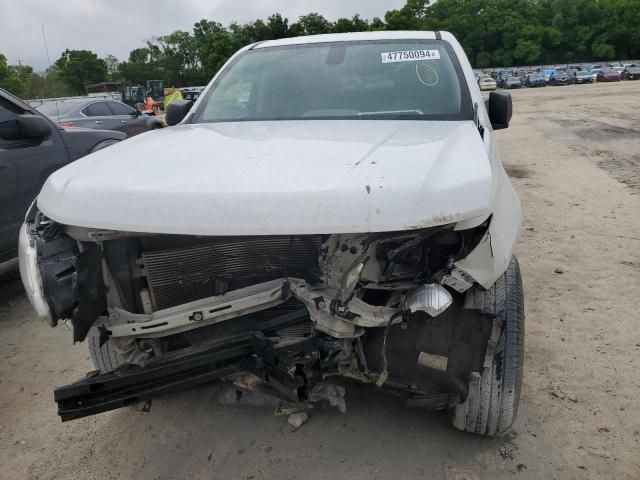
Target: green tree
[(493, 33), (409, 17), (311, 24), (355, 24), (11, 80), (81, 67), (112, 64), (47, 84), (178, 58), (277, 26), (140, 67)]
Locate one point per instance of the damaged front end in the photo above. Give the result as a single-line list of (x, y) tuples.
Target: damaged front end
[(391, 308)]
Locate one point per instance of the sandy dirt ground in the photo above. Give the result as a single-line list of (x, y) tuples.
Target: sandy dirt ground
[(574, 156)]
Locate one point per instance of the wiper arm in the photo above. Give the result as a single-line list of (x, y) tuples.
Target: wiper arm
[(392, 112)]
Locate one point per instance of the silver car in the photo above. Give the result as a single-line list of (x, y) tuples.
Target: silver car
[(487, 83), (101, 114)]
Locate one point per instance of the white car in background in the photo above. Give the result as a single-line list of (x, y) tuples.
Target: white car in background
[(487, 83), (331, 205)]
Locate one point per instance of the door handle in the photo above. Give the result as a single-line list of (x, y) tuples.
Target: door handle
[(99, 122), (123, 121)]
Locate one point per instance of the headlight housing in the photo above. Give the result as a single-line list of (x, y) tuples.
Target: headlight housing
[(30, 274)]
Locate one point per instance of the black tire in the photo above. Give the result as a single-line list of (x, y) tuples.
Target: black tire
[(104, 358), (492, 403)]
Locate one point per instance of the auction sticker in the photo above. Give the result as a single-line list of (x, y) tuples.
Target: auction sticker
[(410, 56)]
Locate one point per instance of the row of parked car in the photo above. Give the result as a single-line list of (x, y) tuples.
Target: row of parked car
[(556, 76)]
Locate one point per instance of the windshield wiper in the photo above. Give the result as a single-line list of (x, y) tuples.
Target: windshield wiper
[(392, 112)]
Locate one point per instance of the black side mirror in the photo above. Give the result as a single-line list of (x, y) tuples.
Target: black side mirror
[(500, 109), (33, 126), (176, 111)]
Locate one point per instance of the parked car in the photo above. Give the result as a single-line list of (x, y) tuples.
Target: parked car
[(521, 75), (559, 77), (350, 216), (631, 72), (100, 114), (617, 67), (502, 76), (535, 80), (608, 75), (594, 70), (581, 77), (487, 83), (512, 82), (547, 73), (31, 148)]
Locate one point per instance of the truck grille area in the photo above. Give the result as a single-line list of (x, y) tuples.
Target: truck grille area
[(182, 269)]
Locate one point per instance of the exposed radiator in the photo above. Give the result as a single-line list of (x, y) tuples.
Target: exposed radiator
[(183, 269)]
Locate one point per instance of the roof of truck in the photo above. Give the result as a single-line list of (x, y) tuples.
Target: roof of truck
[(350, 37)]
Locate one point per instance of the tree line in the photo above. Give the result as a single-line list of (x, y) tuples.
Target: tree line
[(492, 32)]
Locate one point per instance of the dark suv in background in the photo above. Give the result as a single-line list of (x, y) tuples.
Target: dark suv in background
[(559, 77), (31, 148)]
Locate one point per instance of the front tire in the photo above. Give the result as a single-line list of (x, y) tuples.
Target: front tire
[(491, 405), (104, 358)]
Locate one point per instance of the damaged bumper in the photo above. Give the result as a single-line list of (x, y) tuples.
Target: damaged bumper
[(285, 367), (398, 309)]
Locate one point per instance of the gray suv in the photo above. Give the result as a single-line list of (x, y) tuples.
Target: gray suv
[(31, 148)]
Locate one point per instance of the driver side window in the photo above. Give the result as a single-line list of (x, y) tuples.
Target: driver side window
[(98, 109), (120, 109)]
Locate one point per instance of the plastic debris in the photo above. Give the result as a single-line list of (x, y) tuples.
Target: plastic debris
[(296, 420), (330, 393)]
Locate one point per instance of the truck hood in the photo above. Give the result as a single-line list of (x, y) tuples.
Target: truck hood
[(278, 177)]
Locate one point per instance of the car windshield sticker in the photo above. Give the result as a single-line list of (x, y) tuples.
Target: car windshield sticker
[(426, 74), (410, 56)]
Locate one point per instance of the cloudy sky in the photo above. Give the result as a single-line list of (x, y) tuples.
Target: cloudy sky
[(119, 26)]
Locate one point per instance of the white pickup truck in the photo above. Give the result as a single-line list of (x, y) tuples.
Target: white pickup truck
[(331, 205)]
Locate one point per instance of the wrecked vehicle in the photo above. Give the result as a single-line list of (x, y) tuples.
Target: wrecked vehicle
[(331, 205)]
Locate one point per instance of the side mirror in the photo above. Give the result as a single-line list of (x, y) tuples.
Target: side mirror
[(33, 126), (176, 111), (500, 109)]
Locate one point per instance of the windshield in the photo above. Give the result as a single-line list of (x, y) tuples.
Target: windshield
[(54, 109), (340, 80)]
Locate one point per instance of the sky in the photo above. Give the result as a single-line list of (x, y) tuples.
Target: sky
[(118, 26)]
